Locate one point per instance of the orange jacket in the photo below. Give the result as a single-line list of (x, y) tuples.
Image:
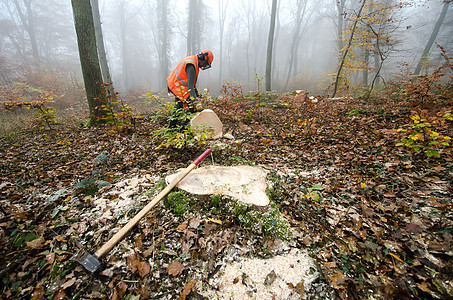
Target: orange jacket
[(177, 81)]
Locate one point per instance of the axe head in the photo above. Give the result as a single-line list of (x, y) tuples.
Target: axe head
[(90, 262)]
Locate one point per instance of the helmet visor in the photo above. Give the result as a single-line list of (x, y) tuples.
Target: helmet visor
[(205, 67)]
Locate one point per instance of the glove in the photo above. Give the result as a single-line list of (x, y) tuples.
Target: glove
[(199, 107)]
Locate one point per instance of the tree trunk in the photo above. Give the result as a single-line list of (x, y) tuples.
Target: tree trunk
[(100, 42), (432, 38), (337, 78), (164, 35), (222, 17), (366, 62), (194, 27), (28, 23), (123, 29), (270, 46), (86, 39), (340, 7), (274, 53)]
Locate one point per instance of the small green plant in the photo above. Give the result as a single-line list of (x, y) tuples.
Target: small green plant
[(178, 138), (421, 136), (274, 224), (92, 184), (19, 238), (178, 201), (215, 200), (312, 192), (356, 112), (117, 113), (259, 84)]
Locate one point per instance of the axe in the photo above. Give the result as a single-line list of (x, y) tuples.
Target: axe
[(92, 263)]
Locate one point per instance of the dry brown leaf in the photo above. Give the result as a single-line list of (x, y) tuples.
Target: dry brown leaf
[(60, 294), (50, 258), (119, 291), (338, 280), (367, 212), (175, 268), (133, 262), (36, 243), (413, 228), (424, 287), (330, 264), (68, 283), (39, 293), (300, 288), (143, 269), (187, 289), (148, 252), (60, 238), (195, 222), (182, 227)]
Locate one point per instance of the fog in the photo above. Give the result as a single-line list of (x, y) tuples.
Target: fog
[(306, 41)]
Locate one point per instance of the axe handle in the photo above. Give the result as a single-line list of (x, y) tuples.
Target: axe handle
[(125, 229)]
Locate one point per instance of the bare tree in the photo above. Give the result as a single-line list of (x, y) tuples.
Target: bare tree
[(100, 42), (89, 60), (341, 14), (27, 18), (432, 38), (270, 46), (194, 25), (164, 40), (348, 46), (299, 14), (222, 17)]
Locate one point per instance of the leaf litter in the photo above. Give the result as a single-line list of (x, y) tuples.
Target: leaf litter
[(375, 219)]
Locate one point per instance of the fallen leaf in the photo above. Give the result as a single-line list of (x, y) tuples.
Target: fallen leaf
[(60, 294), (119, 291), (424, 287), (133, 262), (395, 256), (175, 268), (195, 222), (330, 264), (300, 288), (39, 293), (143, 269), (36, 243), (182, 227), (338, 280), (413, 228), (270, 278), (68, 283), (187, 289), (216, 221)]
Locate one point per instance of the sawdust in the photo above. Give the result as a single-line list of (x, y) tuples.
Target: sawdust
[(281, 277), (119, 198)]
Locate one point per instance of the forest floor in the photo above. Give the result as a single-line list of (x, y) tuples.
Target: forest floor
[(377, 219)]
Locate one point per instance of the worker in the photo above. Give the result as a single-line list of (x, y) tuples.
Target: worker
[(181, 83)]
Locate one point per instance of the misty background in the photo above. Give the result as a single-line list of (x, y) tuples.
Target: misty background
[(145, 39)]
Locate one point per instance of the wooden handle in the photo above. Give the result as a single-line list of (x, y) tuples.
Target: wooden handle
[(125, 229)]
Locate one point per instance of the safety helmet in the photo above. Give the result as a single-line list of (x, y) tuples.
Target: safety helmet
[(207, 56)]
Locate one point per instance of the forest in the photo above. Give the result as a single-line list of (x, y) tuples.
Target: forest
[(345, 104)]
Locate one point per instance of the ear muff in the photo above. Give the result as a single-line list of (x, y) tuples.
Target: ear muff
[(203, 56)]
